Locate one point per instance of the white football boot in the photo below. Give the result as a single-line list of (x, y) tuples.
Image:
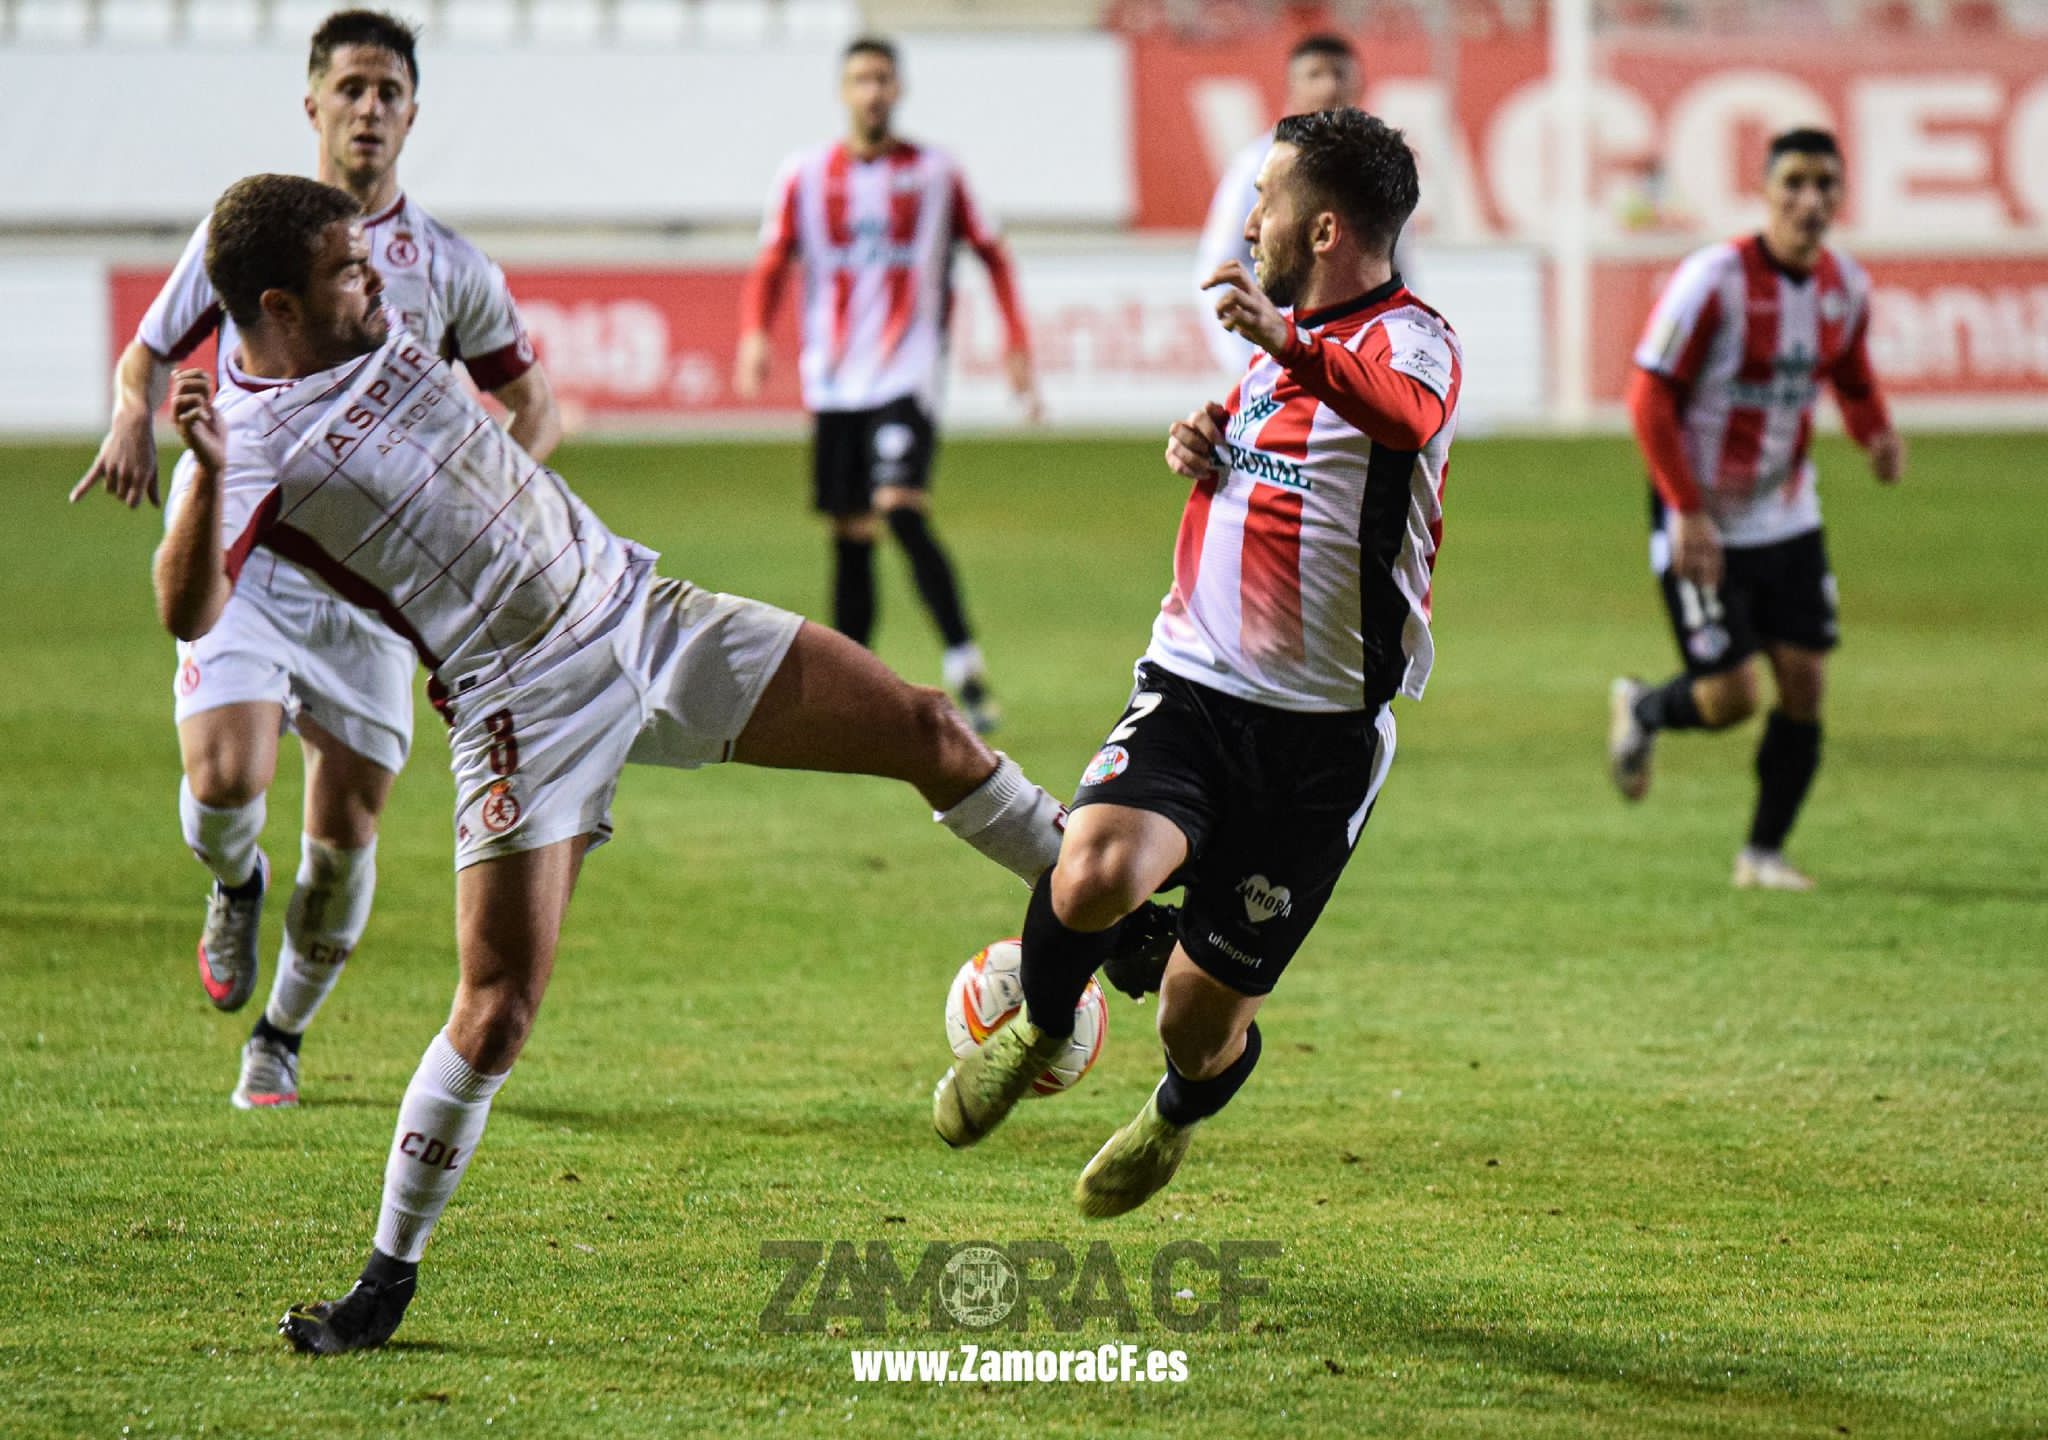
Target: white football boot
[(228, 961), (270, 1076), (1768, 870), (1629, 745)]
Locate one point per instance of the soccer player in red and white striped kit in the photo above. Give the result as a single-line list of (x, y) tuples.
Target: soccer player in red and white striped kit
[(873, 219), (1726, 378), (1259, 731)]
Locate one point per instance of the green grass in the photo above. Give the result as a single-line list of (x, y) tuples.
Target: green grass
[(1559, 1135)]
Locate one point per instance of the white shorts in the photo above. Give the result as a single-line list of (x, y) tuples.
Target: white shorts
[(285, 639), (673, 683)]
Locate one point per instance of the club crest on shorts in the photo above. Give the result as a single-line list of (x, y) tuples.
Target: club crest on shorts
[(1707, 644), (1109, 762), (188, 676), (500, 810), (1263, 900)]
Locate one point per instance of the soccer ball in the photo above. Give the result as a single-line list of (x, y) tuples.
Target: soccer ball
[(989, 991)]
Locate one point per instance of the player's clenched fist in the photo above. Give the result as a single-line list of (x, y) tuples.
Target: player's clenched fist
[(1246, 310), (1191, 443), (192, 410)]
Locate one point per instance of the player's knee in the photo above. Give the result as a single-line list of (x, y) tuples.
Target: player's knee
[(221, 780), (491, 1023), (1727, 699), (860, 529), (1198, 1048), (1096, 884)]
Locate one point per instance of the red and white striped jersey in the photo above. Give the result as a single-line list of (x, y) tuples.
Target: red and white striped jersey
[(1749, 342), (1301, 576), (875, 238), (387, 479), (436, 284)]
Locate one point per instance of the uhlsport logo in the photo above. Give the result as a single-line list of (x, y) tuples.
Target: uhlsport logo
[(1263, 900), (978, 1286), (1109, 762)]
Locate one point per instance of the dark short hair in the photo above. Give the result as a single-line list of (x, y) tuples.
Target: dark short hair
[(364, 27), (263, 234), (1357, 165), (1804, 141), (1336, 47), (870, 45)]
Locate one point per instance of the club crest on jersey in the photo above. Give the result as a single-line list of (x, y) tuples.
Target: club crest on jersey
[(1263, 900), (500, 810), (1109, 762), (402, 251)]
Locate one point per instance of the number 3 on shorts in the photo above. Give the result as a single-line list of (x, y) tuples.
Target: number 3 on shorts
[(1142, 704)]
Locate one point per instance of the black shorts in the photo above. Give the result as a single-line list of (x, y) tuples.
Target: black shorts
[(856, 452), (1272, 803), (1782, 593)]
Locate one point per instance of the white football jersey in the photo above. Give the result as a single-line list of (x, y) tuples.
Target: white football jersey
[(387, 479)]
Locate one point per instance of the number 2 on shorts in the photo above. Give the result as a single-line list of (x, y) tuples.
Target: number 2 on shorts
[(1142, 704)]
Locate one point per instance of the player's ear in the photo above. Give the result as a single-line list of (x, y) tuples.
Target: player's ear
[(279, 307), (1324, 234), (312, 110)]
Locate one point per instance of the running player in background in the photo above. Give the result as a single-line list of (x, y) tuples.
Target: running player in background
[(1259, 732), (288, 651), (1323, 73), (873, 220), (1722, 398), (557, 656)]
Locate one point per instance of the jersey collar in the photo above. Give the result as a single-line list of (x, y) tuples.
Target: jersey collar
[(1378, 295), (396, 206)]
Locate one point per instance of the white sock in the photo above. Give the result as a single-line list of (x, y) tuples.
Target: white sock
[(224, 840), (1011, 821), (962, 663), (330, 906), (439, 1122)]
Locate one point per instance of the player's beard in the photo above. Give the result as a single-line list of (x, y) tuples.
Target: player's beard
[(1282, 264)]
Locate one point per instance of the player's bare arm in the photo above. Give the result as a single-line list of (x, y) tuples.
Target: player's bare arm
[(126, 463), (533, 418), (191, 581), (1887, 452), (750, 367)]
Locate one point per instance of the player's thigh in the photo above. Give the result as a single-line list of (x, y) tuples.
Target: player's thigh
[(353, 678), (1796, 600), (1201, 1018), (345, 790), (832, 706), (1801, 678), (508, 921), (1163, 758), (230, 751)]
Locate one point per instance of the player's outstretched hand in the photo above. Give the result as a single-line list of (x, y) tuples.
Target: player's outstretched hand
[(192, 409), (750, 367), (1696, 549), (1888, 457), (126, 464), (1245, 309), (1191, 443), (1024, 385)]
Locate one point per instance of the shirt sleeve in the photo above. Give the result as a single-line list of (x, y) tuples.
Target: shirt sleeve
[(1864, 411), (972, 224), (1653, 401), (484, 329), (1397, 387), (186, 310), (1685, 322), (249, 497), (770, 270)]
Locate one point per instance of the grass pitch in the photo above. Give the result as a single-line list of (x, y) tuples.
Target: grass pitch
[(1556, 1133)]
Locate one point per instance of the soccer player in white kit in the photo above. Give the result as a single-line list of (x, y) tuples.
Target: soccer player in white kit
[(1722, 398), (873, 220), (1323, 73), (1259, 731), (556, 652), (288, 651)]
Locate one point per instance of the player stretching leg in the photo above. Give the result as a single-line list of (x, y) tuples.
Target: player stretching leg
[(287, 651), (559, 654), (874, 220), (1723, 395), (1259, 732)]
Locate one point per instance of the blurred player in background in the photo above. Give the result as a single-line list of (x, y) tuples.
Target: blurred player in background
[(873, 220), (1259, 731), (288, 651), (1722, 399), (1323, 73), (558, 654)]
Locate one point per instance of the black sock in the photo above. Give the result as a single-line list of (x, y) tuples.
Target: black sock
[(934, 573), (1183, 1101), (853, 588), (266, 1031), (384, 1271), (1058, 961), (1669, 707), (1785, 764)]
